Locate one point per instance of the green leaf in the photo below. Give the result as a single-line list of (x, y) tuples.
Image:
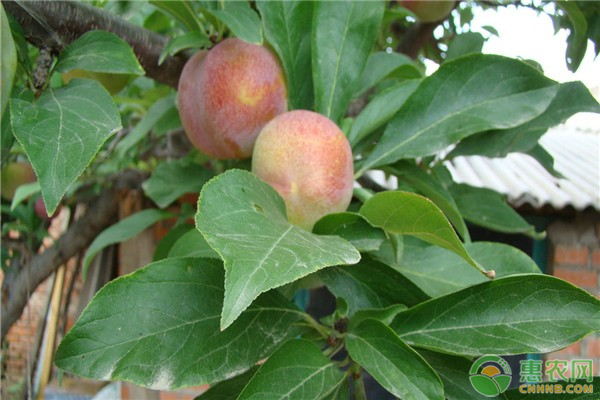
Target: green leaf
[(7, 138), (154, 114), (385, 315), (430, 186), (381, 65), (371, 285), (459, 100), (121, 231), (165, 245), (99, 51), (192, 244), (541, 155), (190, 40), (454, 373), (171, 180), (23, 192), (488, 208), (159, 327), (298, 370), (287, 26), (411, 214), (396, 366), (380, 110), (229, 389), (439, 272), (244, 220), (183, 11), (62, 132), (465, 43), (243, 21), (571, 98), (8, 61), (343, 35), (512, 315), (577, 40), (353, 228)]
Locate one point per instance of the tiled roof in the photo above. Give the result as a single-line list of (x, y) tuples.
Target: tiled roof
[(576, 153)]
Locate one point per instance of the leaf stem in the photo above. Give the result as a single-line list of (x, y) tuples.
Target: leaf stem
[(359, 384), (322, 329)]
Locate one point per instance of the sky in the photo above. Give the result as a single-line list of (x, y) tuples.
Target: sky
[(525, 34)]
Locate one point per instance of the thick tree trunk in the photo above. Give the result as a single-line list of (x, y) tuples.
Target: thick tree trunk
[(55, 24)]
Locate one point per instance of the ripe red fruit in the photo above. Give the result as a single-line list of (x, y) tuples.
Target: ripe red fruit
[(307, 159), (429, 11), (227, 94)]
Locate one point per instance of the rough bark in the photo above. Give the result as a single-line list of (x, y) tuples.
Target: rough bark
[(55, 24)]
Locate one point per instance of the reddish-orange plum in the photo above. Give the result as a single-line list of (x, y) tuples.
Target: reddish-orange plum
[(429, 11), (228, 94), (307, 159)]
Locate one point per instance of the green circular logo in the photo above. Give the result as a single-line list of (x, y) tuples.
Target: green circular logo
[(490, 375)]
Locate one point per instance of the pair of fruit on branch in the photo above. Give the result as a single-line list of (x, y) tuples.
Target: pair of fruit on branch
[(233, 105)]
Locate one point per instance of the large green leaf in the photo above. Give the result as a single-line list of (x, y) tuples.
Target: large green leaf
[(454, 373), (571, 98), (171, 180), (244, 220), (121, 231), (412, 214), (243, 21), (512, 315), (343, 35), (99, 51), (159, 328), (459, 100), (489, 209), (371, 285), (380, 110), (394, 364), (297, 370), (8, 62), (287, 26), (430, 186), (381, 65), (62, 132), (439, 272)]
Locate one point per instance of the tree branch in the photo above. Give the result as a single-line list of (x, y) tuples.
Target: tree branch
[(416, 37), (55, 24), (78, 237)]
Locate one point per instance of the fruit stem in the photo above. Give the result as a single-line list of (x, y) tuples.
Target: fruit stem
[(362, 194)]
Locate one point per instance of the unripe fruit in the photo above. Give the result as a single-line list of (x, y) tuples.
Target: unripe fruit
[(227, 95), (307, 159), (14, 175), (40, 210), (429, 11), (113, 83)]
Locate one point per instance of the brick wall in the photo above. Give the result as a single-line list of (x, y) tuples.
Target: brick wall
[(575, 257)]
